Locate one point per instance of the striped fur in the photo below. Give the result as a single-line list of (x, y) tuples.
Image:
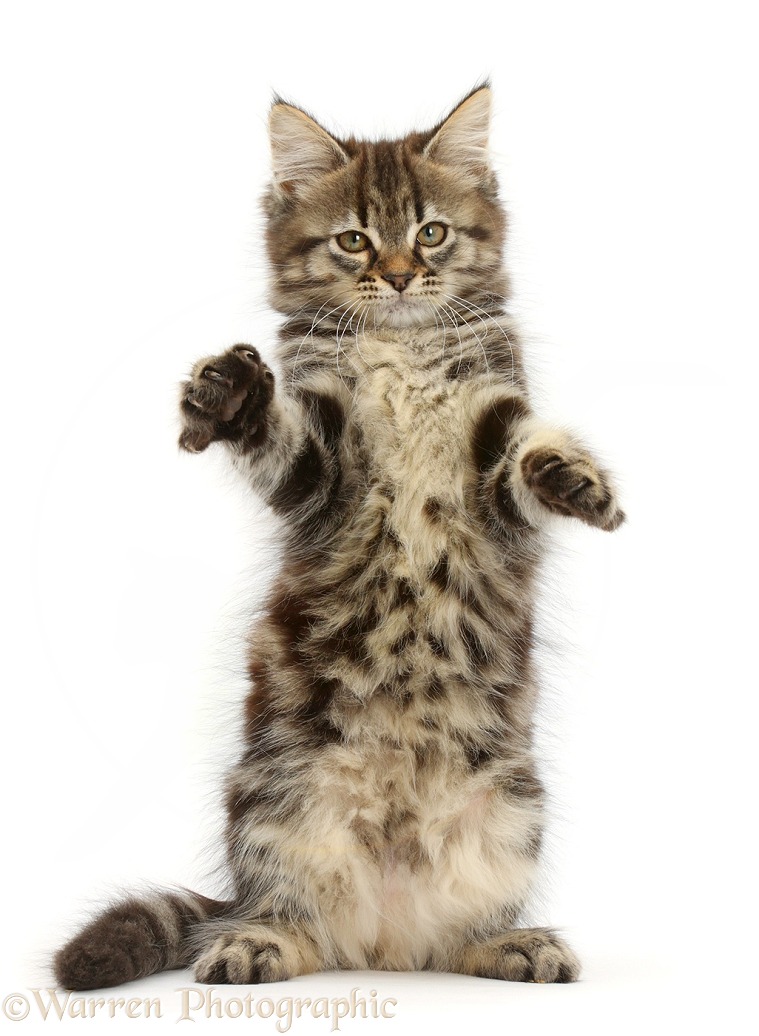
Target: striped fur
[(386, 811)]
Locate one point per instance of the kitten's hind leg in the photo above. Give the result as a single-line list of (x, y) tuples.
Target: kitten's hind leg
[(252, 952), (521, 955)]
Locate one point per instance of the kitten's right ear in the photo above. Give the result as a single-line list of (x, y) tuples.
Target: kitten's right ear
[(462, 138), (301, 151)]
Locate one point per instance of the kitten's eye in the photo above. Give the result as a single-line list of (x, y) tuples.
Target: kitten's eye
[(353, 241), (432, 234)]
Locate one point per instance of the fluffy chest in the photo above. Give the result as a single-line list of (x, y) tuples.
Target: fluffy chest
[(415, 428), (413, 593), (414, 424)]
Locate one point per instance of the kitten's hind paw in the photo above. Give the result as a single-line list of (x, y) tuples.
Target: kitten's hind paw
[(226, 399)]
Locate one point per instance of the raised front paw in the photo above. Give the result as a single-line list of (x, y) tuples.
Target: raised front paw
[(226, 399), (571, 483)]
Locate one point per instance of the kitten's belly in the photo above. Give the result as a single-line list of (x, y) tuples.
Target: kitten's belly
[(414, 857)]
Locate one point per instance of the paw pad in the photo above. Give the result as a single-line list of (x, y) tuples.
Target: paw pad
[(226, 399)]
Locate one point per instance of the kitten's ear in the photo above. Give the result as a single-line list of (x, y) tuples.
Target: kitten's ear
[(300, 149), (462, 139)]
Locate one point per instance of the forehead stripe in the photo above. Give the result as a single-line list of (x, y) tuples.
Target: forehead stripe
[(361, 179), (414, 185)]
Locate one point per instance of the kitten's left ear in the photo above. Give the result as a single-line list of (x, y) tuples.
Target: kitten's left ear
[(462, 139), (300, 149)]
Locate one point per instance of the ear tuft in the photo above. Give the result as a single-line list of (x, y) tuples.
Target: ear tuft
[(462, 138), (301, 150)]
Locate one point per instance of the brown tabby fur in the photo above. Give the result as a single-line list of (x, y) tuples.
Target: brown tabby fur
[(386, 812)]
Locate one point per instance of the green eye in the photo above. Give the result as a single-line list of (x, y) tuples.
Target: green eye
[(353, 241), (432, 234)]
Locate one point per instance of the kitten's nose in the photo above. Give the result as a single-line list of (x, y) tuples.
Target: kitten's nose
[(400, 281)]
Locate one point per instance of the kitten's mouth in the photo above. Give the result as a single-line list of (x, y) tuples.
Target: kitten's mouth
[(401, 310)]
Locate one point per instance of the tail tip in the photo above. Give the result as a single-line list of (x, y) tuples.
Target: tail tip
[(116, 947)]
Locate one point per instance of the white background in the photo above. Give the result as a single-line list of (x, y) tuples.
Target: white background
[(134, 150)]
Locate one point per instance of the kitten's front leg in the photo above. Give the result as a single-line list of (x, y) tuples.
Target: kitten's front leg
[(520, 955), (285, 446), (528, 470), (226, 399), (553, 472)]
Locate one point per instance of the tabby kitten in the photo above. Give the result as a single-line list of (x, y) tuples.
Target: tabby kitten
[(386, 811)]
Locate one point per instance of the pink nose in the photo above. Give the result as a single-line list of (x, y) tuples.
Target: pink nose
[(400, 281)]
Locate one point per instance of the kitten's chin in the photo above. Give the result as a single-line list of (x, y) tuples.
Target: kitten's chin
[(403, 312)]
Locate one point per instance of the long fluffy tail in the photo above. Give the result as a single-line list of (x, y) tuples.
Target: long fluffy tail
[(135, 938)]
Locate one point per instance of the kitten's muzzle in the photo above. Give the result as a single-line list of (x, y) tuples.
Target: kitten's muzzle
[(400, 281)]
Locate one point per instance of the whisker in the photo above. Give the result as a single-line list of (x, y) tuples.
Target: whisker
[(432, 306), (453, 315), (351, 309), (310, 333), (477, 338), (360, 327), (477, 310)]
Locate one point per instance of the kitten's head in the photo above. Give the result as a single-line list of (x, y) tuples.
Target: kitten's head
[(398, 230)]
